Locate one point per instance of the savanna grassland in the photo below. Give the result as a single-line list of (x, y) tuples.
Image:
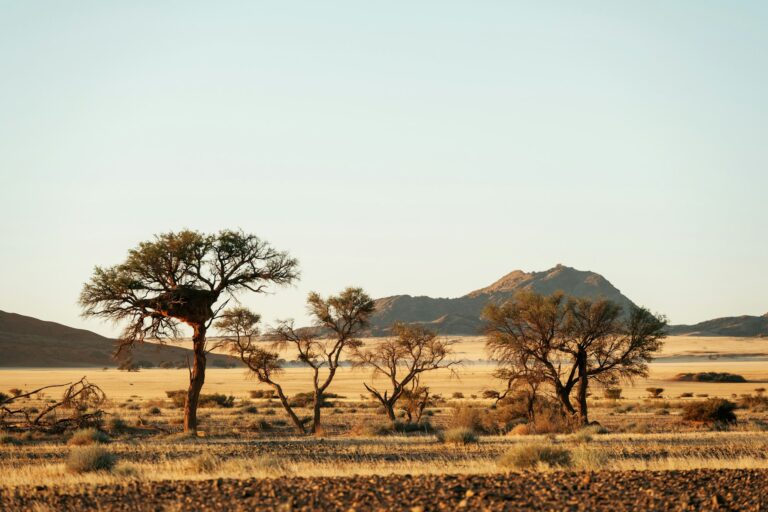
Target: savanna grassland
[(245, 437)]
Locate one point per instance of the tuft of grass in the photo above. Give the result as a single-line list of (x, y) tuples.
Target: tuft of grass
[(84, 459), (589, 458), (460, 435), (204, 463), (87, 436), (714, 410), (8, 439), (535, 455)]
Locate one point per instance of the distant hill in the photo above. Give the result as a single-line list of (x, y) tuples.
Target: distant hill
[(26, 342), (461, 315), (745, 325)]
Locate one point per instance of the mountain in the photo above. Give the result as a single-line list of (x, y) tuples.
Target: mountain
[(27, 342), (461, 315), (745, 325)]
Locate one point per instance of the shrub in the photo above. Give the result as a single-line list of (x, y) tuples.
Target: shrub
[(523, 429), (204, 463), (89, 458), (87, 436), (373, 428), (714, 410), (15, 391), (308, 399), (686, 395), (528, 456), (116, 424), (10, 440), (709, 377), (462, 436), (612, 393), (457, 395), (251, 409), (154, 411), (179, 397), (262, 393), (589, 458), (655, 392), (3, 397)]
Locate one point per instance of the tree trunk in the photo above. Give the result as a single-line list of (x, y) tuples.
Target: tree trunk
[(284, 400), (564, 396), (583, 387), (389, 406), (196, 379), (316, 427)]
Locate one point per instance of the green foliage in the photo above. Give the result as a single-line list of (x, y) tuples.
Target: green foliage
[(709, 377)]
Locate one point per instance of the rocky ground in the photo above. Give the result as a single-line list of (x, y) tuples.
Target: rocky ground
[(606, 490)]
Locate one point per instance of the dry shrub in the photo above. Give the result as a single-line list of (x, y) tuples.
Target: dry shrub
[(10, 440), (463, 436), (522, 429), (203, 463), (714, 410), (84, 459), (87, 436), (536, 455)]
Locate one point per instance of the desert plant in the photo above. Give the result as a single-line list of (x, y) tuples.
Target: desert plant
[(655, 392), (155, 297), (714, 410), (529, 456), (612, 393), (87, 436), (459, 435), (84, 459), (10, 440), (117, 424)]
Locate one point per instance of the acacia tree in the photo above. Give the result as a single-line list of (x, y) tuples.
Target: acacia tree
[(573, 341), (401, 360), (240, 326), (522, 375), (528, 330), (338, 320), (180, 278)]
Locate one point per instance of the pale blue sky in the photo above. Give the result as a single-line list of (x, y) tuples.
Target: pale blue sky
[(406, 147)]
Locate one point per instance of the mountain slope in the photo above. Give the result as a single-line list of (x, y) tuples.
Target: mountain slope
[(745, 325), (26, 342), (461, 315)]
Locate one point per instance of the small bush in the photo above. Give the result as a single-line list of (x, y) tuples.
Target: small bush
[(10, 440), (15, 391), (714, 410), (251, 409), (686, 395), (612, 393), (84, 459), (87, 436), (204, 463), (461, 436), (457, 395), (154, 411), (522, 429), (655, 392), (117, 424), (262, 393), (709, 377), (529, 456), (179, 397)]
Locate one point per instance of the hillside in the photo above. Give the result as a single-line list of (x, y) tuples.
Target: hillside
[(27, 342), (461, 315), (745, 325)]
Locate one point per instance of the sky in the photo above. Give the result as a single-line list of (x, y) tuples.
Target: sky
[(425, 148)]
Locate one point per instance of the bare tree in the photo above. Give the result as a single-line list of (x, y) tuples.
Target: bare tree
[(178, 278), (338, 320), (241, 331), (401, 360)]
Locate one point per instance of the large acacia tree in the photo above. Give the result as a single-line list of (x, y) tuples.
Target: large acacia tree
[(571, 342), (185, 278)]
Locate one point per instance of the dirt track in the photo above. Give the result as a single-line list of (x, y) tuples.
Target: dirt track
[(614, 491)]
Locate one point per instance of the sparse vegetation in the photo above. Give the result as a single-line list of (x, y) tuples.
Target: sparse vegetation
[(83, 459)]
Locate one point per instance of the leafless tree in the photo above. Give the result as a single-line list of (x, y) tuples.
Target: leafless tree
[(180, 278), (401, 360), (338, 320)]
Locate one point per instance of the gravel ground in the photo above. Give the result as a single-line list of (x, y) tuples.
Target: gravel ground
[(614, 491)]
